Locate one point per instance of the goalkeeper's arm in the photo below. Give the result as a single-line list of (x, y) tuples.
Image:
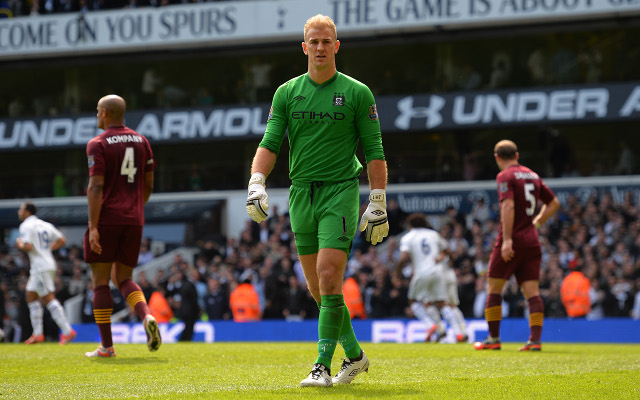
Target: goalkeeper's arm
[(377, 172), (374, 221), (263, 161), (257, 199)]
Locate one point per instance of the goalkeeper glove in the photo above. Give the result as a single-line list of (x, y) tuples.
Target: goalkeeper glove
[(374, 220), (257, 200)]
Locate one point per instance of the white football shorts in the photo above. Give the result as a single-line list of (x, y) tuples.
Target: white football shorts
[(41, 283), (428, 287)]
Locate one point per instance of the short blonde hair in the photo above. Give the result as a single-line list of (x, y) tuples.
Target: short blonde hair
[(318, 22)]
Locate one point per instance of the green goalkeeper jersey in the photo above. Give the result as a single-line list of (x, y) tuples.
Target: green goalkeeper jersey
[(325, 123)]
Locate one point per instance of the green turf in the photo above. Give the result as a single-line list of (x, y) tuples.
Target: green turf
[(273, 371)]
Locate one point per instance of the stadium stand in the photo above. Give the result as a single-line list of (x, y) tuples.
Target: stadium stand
[(600, 234)]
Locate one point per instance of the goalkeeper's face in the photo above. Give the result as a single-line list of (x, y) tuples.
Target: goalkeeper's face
[(321, 47)]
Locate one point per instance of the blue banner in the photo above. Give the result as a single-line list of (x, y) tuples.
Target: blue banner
[(608, 330)]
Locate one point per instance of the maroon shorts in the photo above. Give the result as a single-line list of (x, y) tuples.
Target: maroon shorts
[(120, 243), (525, 265)]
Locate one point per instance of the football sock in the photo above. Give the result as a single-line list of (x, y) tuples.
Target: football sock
[(348, 339), (102, 309), (57, 313), (434, 313), (132, 292), (420, 311), (536, 317), (36, 312), (447, 313), (329, 326), (459, 318), (493, 314)]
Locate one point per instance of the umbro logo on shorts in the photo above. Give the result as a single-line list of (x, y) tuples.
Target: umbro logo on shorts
[(343, 239), (298, 98)]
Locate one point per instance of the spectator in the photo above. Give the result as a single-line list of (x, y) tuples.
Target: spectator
[(295, 300), (537, 65), (244, 302), (396, 217), (146, 255), (159, 306), (187, 305), (635, 312), (626, 160), (145, 286), (564, 63), (353, 299), (480, 212), (200, 285), (501, 71), (574, 292), (216, 301), (78, 280), (195, 179), (2, 314), (470, 78), (151, 83)]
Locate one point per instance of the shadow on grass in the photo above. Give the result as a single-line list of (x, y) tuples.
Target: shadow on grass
[(129, 360), (364, 391)]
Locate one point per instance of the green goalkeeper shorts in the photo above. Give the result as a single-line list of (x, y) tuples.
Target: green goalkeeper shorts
[(324, 215)]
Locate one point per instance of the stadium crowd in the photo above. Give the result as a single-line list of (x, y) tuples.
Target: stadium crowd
[(599, 237), (16, 8)]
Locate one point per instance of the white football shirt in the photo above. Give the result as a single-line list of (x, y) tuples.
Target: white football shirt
[(423, 245), (41, 235)]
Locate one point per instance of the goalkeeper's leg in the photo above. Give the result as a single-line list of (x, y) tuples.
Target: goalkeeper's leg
[(356, 361), (348, 339)]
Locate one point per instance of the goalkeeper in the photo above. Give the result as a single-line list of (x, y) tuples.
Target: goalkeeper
[(326, 113)]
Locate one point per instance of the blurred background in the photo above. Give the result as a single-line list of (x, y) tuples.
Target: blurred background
[(561, 79)]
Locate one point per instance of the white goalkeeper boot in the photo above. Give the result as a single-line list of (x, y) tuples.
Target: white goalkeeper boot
[(351, 368), (319, 376)]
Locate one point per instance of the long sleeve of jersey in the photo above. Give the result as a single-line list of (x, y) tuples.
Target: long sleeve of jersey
[(369, 126), (277, 121)]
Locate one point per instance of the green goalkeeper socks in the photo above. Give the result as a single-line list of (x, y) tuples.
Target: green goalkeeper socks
[(329, 327), (348, 337)]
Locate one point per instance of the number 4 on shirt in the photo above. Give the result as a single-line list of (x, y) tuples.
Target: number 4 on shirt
[(128, 166)]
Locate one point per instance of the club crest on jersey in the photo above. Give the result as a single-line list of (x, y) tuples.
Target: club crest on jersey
[(90, 161), (503, 187), (338, 99), (373, 112), (270, 114)]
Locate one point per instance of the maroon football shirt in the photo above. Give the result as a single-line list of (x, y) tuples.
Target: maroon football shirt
[(122, 156), (527, 190)]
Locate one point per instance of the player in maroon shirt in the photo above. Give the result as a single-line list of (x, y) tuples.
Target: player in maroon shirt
[(120, 183), (517, 251)]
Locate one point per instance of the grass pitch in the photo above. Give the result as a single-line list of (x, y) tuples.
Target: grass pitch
[(273, 371)]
